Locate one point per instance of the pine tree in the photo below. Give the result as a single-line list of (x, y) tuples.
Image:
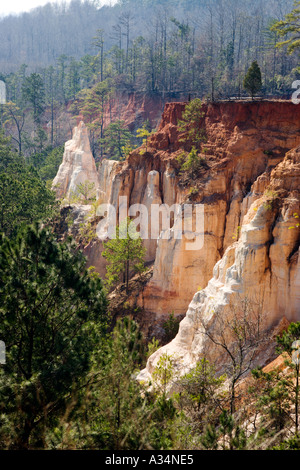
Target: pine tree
[(52, 318), (191, 123), (125, 254), (33, 92), (117, 138), (143, 133), (252, 81), (24, 197), (289, 343), (289, 28), (92, 106)]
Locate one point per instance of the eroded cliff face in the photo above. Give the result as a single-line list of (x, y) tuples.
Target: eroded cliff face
[(135, 108), (262, 266), (250, 192), (245, 141)]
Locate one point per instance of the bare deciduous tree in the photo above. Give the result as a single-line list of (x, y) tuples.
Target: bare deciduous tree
[(238, 332)]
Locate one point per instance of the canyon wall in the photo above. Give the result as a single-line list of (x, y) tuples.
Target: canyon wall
[(263, 266), (245, 141), (135, 108), (258, 178), (249, 187)]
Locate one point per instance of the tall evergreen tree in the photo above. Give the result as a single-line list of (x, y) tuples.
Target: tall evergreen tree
[(24, 197), (289, 28), (33, 92), (116, 139), (52, 316), (252, 81)]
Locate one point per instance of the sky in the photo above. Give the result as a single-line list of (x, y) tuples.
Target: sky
[(19, 6)]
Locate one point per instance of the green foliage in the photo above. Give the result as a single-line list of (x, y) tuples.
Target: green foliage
[(91, 104), (200, 397), (14, 117), (192, 163), (181, 157), (171, 326), (87, 229), (270, 197), (39, 140), (289, 29), (200, 384), (117, 140), (273, 401), (290, 444), (126, 150), (114, 411), (203, 401), (239, 439), (46, 161), (85, 192), (169, 64), (229, 435), (226, 426), (49, 167), (24, 197), (252, 81), (288, 343), (191, 124), (52, 318), (63, 386), (193, 191), (73, 78), (125, 255), (286, 339), (87, 232), (144, 133), (237, 233), (209, 438), (163, 373), (296, 222), (192, 131), (278, 399), (33, 92), (7, 155), (152, 347)]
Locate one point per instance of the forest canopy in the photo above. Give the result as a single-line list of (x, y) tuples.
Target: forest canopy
[(161, 45)]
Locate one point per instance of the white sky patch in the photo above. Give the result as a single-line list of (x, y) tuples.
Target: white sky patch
[(20, 6)]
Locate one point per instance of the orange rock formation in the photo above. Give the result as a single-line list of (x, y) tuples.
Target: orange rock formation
[(250, 190)]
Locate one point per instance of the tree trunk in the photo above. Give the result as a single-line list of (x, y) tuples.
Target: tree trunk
[(297, 402), (127, 277), (23, 439)]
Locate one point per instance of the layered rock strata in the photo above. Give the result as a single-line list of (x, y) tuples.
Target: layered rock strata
[(250, 192)]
